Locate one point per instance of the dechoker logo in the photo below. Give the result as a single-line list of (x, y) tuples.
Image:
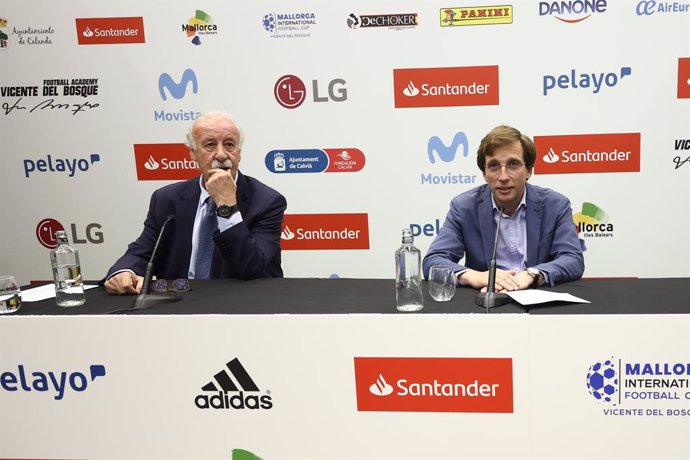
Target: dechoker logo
[(477, 16), (640, 388), (314, 160), (572, 11), (391, 21), (233, 389), (289, 25), (199, 25)]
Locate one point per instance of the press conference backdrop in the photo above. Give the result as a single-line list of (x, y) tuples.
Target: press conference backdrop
[(366, 115)]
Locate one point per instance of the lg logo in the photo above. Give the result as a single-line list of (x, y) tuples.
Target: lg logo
[(290, 91), (46, 229)]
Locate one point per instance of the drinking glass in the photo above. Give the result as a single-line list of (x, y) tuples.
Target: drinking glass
[(441, 283), (10, 295)]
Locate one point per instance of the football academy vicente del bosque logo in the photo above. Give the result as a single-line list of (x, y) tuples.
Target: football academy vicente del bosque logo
[(434, 384), (233, 388)]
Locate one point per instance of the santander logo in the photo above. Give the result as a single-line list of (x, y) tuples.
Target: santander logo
[(410, 90), (325, 231), (380, 387), (87, 32), (151, 164), (551, 156)]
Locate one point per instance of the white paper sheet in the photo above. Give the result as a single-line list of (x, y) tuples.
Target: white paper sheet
[(535, 296), (45, 292)]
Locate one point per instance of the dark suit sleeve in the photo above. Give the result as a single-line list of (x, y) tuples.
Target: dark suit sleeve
[(252, 247)]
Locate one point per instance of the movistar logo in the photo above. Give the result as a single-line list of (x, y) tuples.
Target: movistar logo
[(447, 153), (177, 90)]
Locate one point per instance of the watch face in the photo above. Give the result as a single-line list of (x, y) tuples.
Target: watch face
[(226, 211)]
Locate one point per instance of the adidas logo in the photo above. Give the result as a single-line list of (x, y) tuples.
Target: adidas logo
[(234, 379)]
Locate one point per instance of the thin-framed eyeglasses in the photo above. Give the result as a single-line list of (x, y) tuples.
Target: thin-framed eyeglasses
[(494, 167), (178, 285)]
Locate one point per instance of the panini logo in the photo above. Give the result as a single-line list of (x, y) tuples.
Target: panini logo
[(106, 31), (587, 153), (477, 16), (164, 162), (446, 86), (325, 231), (434, 384), (247, 392)]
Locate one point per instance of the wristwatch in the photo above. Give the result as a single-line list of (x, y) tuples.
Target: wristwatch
[(226, 211), (534, 273)]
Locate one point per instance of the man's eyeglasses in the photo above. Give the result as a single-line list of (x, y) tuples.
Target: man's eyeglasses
[(513, 165), (178, 285)]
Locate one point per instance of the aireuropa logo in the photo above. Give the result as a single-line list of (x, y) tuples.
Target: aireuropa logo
[(68, 166), (325, 231), (199, 25), (592, 222), (683, 78), (572, 11), (648, 8), (476, 15), (391, 21), (587, 153), (314, 160), (640, 388), (594, 82), (289, 25), (437, 148), (445, 86), (48, 227), (107, 31), (57, 384), (290, 91), (233, 388), (164, 162), (434, 384)]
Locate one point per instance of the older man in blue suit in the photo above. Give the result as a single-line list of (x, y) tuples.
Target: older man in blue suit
[(240, 216), (538, 243)]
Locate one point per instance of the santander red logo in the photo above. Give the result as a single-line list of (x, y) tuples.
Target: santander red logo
[(683, 78), (325, 231), (106, 31), (434, 384), (587, 153), (164, 162)]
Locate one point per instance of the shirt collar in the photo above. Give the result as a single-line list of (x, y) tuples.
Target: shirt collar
[(523, 201)]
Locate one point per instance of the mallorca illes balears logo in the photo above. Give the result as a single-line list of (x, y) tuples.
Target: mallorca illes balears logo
[(644, 388), (476, 15), (572, 11), (233, 389), (289, 24), (441, 154), (314, 160), (199, 25), (592, 222)]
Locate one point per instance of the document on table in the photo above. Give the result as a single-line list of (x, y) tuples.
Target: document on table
[(45, 292), (535, 296)]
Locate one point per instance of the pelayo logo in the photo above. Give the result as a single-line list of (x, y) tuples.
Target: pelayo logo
[(56, 383)]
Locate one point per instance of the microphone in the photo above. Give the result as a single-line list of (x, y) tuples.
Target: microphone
[(146, 299), (491, 298)]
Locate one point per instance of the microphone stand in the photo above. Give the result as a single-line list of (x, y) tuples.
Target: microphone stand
[(146, 299), (491, 298)]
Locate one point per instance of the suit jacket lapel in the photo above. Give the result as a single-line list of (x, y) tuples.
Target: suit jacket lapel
[(535, 208)]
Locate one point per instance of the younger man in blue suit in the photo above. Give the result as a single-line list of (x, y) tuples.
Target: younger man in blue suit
[(538, 243), (244, 214)]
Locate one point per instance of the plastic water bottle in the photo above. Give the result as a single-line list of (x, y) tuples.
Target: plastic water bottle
[(69, 290), (408, 275)]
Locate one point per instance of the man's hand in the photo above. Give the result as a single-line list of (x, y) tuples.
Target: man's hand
[(506, 280), (221, 186), (124, 283)]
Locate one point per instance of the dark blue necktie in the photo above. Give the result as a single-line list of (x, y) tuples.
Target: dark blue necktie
[(204, 250)]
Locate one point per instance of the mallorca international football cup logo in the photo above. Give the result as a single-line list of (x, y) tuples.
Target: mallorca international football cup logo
[(602, 381)]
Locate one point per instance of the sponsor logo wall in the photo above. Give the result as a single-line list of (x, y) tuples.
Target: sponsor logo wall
[(351, 111)]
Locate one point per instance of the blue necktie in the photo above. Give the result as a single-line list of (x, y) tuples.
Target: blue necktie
[(204, 250)]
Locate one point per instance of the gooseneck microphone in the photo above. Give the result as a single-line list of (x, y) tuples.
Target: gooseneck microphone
[(146, 299), (491, 298)]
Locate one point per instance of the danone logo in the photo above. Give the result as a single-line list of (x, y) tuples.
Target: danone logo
[(587, 153), (445, 86), (164, 162), (434, 384), (104, 31), (233, 388), (325, 231), (572, 11)]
